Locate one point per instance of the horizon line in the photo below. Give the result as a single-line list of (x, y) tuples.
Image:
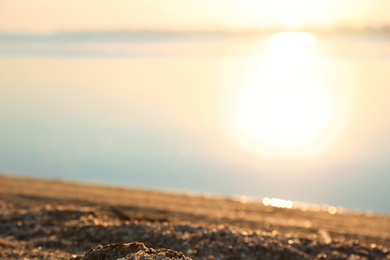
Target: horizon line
[(241, 30)]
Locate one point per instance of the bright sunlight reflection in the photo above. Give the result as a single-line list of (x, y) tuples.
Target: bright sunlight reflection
[(290, 50), (278, 203), (285, 111), (285, 106)]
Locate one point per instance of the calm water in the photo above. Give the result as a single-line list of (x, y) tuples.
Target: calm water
[(157, 111)]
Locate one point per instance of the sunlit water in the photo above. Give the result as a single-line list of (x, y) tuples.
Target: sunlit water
[(292, 116)]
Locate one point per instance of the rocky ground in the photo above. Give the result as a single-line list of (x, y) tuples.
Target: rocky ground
[(59, 220)]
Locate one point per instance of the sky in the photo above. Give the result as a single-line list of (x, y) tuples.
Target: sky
[(49, 15)]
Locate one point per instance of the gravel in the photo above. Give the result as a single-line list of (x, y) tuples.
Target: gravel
[(130, 251), (38, 223)]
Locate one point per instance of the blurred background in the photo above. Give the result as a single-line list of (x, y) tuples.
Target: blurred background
[(279, 99)]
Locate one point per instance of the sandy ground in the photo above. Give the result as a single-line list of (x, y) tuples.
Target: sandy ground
[(60, 220)]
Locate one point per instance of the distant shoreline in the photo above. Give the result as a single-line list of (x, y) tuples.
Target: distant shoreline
[(345, 31), (266, 201)]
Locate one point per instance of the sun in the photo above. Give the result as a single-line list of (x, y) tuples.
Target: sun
[(293, 14)]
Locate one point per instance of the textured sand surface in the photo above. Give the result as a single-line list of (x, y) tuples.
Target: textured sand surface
[(59, 220)]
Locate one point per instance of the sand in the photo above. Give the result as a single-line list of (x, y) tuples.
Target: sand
[(42, 219)]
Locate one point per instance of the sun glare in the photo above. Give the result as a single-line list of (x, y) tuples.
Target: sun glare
[(286, 110), (285, 107), (290, 50)]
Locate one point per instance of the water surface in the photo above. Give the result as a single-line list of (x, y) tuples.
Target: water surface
[(157, 111)]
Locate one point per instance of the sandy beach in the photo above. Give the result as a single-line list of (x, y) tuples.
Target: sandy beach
[(41, 219)]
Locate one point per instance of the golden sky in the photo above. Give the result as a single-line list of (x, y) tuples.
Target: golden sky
[(49, 15)]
